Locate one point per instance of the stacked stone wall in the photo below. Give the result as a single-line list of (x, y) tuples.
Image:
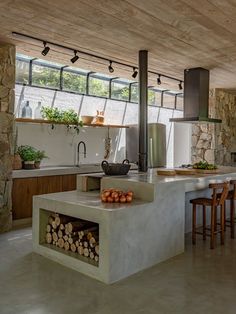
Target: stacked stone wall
[(7, 97)]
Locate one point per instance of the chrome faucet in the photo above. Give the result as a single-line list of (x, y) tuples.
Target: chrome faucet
[(78, 151)]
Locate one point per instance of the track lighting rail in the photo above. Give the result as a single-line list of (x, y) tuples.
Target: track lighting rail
[(76, 52)]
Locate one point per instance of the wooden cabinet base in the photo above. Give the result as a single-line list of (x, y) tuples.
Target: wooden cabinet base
[(25, 188)]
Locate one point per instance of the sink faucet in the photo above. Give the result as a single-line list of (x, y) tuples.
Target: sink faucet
[(78, 151)]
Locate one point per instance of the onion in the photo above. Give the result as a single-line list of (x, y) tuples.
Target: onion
[(114, 195), (104, 199), (117, 200), (130, 193), (123, 199), (110, 199), (106, 194), (129, 198)]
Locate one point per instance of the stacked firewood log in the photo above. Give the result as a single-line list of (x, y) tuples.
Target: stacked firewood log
[(73, 234)]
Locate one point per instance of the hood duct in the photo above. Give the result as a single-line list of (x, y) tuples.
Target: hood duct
[(196, 97)]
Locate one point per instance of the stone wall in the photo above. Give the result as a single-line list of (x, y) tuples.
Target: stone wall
[(7, 97), (215, 142)]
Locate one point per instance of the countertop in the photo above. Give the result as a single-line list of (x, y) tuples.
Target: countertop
[(60, 170)]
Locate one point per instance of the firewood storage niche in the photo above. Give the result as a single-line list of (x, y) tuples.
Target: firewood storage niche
[(68, 235)]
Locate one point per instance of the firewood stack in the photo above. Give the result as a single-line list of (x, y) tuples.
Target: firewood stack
[(73, 234)]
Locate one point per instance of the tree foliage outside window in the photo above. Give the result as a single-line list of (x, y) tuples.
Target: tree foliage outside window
[(45, 76), (98, 87), (120, 91), (74, 82)]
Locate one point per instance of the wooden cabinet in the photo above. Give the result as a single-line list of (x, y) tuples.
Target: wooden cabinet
[(25, 188)]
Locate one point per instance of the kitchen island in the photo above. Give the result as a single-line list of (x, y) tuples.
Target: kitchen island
[(132, 237)]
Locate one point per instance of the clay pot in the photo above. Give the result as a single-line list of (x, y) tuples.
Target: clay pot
[(16, 162)]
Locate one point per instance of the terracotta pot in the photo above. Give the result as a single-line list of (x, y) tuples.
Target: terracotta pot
[(16, 162)]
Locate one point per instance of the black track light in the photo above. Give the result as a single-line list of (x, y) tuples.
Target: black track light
[(135, 73), (159, 79), (75, 58), (46, 49), (110, 68), (180, 85)]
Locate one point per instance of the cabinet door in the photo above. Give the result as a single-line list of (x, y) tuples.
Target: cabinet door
[(22, 197), (49, 184), (69, 182)]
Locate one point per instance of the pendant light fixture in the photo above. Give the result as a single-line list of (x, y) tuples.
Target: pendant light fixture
[(46, 49)]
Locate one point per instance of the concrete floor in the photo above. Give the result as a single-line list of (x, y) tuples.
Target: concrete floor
[(199, 281)]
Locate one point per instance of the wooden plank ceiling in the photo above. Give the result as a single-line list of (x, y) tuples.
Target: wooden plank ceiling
[(178, 34)]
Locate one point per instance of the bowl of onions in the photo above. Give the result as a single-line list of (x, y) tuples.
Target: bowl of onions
[(116, 196)]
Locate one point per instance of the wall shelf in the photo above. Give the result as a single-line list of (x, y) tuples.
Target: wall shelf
[(42, 121)]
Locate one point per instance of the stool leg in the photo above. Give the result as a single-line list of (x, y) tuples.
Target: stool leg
[(213, 211), (204, 221), (194, 225), (222, 223), (232, 217), (215, 220)]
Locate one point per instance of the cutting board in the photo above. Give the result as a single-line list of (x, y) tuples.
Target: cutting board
[(185, 171), (166, 172), (203, 171)]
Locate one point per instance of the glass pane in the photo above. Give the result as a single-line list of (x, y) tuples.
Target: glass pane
[(168, 101), (114, 112), (74, 82), (98, 87), (134, 93), (119, 91), (44, 76), (151, 97), (22, 72), (180, 103)]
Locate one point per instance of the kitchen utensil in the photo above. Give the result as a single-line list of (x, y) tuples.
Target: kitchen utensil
[(116, 169)]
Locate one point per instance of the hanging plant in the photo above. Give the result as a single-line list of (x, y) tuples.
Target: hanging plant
[(68, 117)]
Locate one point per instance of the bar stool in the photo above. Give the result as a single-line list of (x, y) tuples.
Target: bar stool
[(219, 195), (231, 197)]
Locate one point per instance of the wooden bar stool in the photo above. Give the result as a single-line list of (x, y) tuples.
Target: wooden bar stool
[(231, 197), (220, 192)]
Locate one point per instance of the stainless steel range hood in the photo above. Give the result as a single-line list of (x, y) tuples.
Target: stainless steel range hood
[(196, 97)]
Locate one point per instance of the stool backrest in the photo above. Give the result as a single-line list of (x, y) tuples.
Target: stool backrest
[(219, 188), (233, 182)]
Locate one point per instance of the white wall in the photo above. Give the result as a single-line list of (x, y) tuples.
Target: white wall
[(60, 145)]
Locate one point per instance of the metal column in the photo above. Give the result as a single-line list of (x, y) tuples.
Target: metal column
[(143, 111)]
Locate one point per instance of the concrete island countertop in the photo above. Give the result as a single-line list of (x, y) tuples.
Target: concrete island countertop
[(132, 237)]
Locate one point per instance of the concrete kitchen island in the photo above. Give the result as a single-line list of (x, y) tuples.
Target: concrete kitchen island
[(132, 237)]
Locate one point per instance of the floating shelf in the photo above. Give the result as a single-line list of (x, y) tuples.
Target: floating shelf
[(42, 121)]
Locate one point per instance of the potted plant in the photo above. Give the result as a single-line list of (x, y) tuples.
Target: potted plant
[(16, 159), (40, 155), (28, 154)]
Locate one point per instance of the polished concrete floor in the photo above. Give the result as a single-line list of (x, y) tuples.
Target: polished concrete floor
[(199, 281)]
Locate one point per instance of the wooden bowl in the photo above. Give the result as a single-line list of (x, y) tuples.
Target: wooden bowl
[(87, 119)]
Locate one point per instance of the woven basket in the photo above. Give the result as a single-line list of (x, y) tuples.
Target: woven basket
[(116, 169)]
